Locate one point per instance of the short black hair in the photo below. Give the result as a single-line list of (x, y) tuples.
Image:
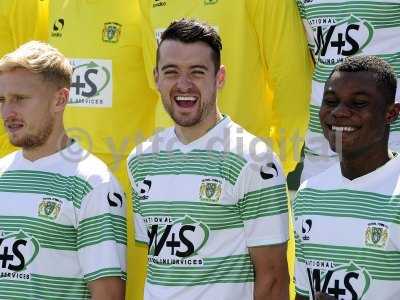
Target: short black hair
[(383, 71), (191, 31)]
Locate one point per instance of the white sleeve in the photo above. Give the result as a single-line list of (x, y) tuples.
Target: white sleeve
[(140, 227), (263, 202), (101, 227)]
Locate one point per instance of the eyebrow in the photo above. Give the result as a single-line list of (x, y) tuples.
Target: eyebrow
[(191, 67)]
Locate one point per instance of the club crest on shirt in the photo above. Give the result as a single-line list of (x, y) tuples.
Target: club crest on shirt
[(210, 190), (376, 235), (49, 208), (111, 32)]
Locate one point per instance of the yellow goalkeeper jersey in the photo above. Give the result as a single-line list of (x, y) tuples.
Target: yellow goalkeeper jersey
[(111, 106), (20, 22), (268, 64)]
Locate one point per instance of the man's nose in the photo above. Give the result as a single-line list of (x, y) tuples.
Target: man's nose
[(341, 111), (184, 83)]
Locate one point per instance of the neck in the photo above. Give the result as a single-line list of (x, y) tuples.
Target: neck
[(57, 141), (189, 134), (355, 166)]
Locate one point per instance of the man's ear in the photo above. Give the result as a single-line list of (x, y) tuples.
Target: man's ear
[(221, 77), (156, 75), (392, 113), (61, 96)]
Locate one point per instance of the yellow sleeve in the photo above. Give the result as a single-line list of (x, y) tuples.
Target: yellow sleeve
[(284, 49)]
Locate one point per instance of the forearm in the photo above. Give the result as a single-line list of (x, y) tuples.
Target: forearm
[(271, 288), (108, 288)]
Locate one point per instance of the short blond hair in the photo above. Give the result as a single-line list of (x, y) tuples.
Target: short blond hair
[(39, 58)]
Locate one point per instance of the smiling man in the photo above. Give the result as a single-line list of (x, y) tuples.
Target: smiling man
[(62, 217), (346, 218), (209, 198)]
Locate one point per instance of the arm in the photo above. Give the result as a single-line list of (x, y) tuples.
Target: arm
[(108, 288), (271, 272), (298, 297)]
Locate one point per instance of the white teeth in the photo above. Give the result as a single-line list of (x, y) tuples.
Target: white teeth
[(185, 98), (344, 128)]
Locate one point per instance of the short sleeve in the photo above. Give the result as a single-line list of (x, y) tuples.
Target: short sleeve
[(300, 274), (140, 227), (101, 238), (263, 202)]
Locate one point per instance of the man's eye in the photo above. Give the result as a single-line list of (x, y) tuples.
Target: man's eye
[(198, 72), (360, 103), (330, 102)]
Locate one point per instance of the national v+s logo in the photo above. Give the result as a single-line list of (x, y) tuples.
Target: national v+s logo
[(335, 39), (91, 83), (177, 242), (347, 281), (17, 251), (111, 32), (159, 3)]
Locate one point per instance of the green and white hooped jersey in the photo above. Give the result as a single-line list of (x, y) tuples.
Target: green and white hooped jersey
[(62, 225), (200, 206), (340, 28), (347, 234)]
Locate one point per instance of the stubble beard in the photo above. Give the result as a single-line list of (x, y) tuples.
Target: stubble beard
[(34, 140)]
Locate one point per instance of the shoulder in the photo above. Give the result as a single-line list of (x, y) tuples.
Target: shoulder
[(7, 161)]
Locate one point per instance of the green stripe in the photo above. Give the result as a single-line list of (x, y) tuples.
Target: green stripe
[(71, 188), (348, 203), (44, 287), (322, 71), (233, 269), (105, 227), (56, 236), (216, 216), (380, 15), (382, 265), (224, 165), (109, 272), (263, 203), (314, 124), (302, 292)]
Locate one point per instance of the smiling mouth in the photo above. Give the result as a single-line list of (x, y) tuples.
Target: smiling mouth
[(13, 127), (185, 101), (342, 128)]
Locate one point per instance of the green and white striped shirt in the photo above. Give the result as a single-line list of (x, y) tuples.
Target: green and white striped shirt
[(200, 206), (62, 225), (347, 234)]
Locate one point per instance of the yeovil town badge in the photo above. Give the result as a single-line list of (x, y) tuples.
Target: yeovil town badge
[(111, 32), (376, 235), (49, 208), (210, 190)]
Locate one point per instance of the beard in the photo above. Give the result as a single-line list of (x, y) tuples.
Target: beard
[(37, 139)]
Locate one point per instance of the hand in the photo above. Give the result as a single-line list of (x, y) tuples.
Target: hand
[(323, 296)]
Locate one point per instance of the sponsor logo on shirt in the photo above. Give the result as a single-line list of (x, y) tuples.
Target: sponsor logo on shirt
[(210, 190), (176, 242), (159, 3), (111, 32), (336, 39), (306, 227), (58, 27), (17, 251), (49, 208), (143, 189), (347, 281), (268, 171), (376, 235), (91, 83), (114, 199)]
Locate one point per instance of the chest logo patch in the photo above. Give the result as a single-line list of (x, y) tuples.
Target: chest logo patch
[(376, 235), (210, 190), (111, 32), (49, 208)]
